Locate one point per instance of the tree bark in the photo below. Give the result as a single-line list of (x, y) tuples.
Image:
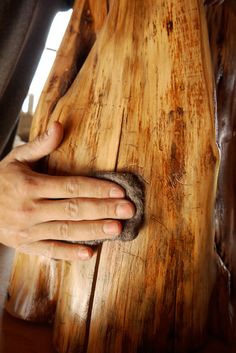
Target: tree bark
[(142, 102)]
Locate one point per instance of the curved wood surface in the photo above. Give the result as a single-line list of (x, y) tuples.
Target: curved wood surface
[(40, 276), (143, 102)]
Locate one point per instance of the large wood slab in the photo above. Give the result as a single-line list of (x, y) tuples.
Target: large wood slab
[(142, 101), (36, 300)]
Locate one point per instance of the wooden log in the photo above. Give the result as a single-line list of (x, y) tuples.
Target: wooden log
[(143, 102), (33, 290), (36, 299), (146, 106), (165, 275)]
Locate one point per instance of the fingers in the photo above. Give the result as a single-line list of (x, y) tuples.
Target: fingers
[(73, 231), (60, 187), (58, 250), (80, 209), (41, 146)]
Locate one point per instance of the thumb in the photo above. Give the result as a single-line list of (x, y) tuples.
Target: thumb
[(40, 147)]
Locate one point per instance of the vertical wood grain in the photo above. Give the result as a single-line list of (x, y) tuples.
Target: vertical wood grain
[(34, 280), (147, 106), (155, 293), (33, 289), (142, 101)]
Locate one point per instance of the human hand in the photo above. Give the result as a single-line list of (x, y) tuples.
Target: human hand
[(41, 214)]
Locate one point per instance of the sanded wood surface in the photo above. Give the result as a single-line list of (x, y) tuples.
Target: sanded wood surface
[(35, 300), (143, 102), (17, 335), (24, 337)]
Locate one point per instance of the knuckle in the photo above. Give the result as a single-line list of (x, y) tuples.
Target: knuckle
[(26, 211), (95, 230), (25, 183), (64, 231), (72, 186), (21, 238), (21, 220), (72, 209), (16, 167)]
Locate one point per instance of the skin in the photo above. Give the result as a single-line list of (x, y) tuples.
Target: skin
[(39, 211)]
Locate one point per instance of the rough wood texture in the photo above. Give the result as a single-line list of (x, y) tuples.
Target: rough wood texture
[(142, 102), (25, 337), (40, 276)]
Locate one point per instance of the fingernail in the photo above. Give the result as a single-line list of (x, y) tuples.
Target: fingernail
[(117, 193), (111, 228), (84, 254), (124, 210)]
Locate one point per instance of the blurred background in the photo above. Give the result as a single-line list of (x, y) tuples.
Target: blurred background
[(54, 39)]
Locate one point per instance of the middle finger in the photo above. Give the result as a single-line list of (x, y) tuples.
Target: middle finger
[(79, 209)]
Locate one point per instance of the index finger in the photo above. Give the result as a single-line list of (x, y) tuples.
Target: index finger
[(60, 187)]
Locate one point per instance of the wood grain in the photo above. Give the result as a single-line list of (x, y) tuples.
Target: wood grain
[(142, 102), (165, 275), (25, 337), (36, 299), (147, 106), (33, 289)]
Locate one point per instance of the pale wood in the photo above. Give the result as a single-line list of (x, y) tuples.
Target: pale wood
[(17, 335), (33, 289), (70, 327), (166, 116), (35, 280), (86, 21), (151, 103), (24, 337), (153, 294), (143, 102)]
